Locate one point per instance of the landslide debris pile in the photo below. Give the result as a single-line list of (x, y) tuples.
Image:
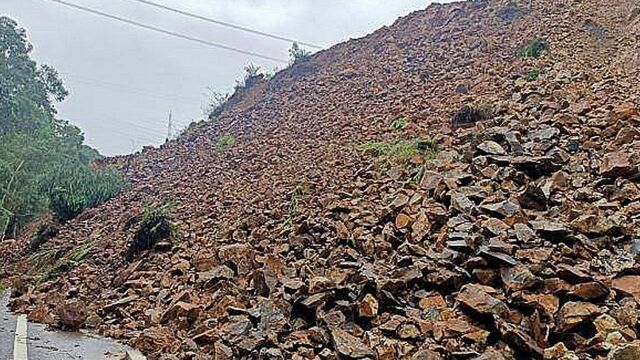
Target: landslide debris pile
[(322, 232)]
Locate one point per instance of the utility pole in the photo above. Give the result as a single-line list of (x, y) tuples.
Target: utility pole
[(169, 128)]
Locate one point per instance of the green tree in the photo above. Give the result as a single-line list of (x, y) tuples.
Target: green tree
[(37, 150)]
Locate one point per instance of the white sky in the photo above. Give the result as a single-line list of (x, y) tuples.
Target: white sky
[(124, 81)]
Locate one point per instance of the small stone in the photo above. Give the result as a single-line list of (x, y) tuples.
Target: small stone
[(476, 298), (402, 221), (461, 203), (181, 309), (523, 232), (368, 307), (495, 226), (574, 313), (491, 148), (628, 285), (72, 315), (616, 165), (350, 346), (625, 352), (502, 209), (556, 352)]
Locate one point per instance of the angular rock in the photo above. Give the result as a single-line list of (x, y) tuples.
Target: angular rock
[(628, 285), (348, 345), (72, 315), (491, 148), (574, 313), (477, 298), (617, 164)]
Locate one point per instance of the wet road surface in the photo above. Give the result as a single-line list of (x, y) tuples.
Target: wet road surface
[(49, 345)]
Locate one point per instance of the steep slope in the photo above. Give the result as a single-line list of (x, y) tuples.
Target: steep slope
[(521, 235)]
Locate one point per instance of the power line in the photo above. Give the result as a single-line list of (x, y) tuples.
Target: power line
[(168, 32), (223, 23)]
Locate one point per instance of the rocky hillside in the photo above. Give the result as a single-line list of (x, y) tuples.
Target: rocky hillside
[(332, 228)]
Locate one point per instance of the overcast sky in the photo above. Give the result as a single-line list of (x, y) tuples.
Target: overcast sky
[(124, 81)]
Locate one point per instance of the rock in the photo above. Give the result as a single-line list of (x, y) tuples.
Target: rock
[(519, 339), (238, 256), (477, 299), (368, 307), (495, 226), (497, 257), (348, 345), (534, 197), (625, 352), (491, 148), (574, 313), (408, 331), (180, 309), (523, 232), (606, 324), (461, 203), (72, 315), (628, 285), (551, 230), (558, 351), (502, 209), (402, 221), (590, 291), (548, 304), (616, 165)]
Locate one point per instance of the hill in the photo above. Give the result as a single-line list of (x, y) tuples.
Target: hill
[(462, 184)]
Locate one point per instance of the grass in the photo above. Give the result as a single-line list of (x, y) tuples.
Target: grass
[(533, 49), (2, 288), (401, 149), (399, 123), (79, 188), (155, 225), (224, 142), (292, 211), (49, 267), (533, 75)]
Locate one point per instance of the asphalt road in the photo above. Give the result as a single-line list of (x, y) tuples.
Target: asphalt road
[(50, 345)]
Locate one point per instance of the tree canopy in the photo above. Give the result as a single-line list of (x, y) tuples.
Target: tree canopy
[(36, 147)]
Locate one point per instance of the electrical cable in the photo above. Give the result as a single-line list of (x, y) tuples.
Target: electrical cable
[(168, 32), (223, 23)]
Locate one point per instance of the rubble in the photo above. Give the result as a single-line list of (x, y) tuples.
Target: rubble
[(517, 239)]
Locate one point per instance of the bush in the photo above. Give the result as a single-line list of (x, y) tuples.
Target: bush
[(77, 188), (155, 225), (225, 142), (533, 49), (217, 104), (401, 149), (399, 123), (533, 75), (298, 54)]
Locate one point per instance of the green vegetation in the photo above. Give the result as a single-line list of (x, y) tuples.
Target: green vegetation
[(36, 149), (74, 189), (533, 75), (401, 150), (224, 142), (155, 225), (534, 48), (2, 288), (49, 264), (292, 210), (217, 104), (399, 123), (298, 54)]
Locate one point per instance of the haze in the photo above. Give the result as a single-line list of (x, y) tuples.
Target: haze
[(124, 81)]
